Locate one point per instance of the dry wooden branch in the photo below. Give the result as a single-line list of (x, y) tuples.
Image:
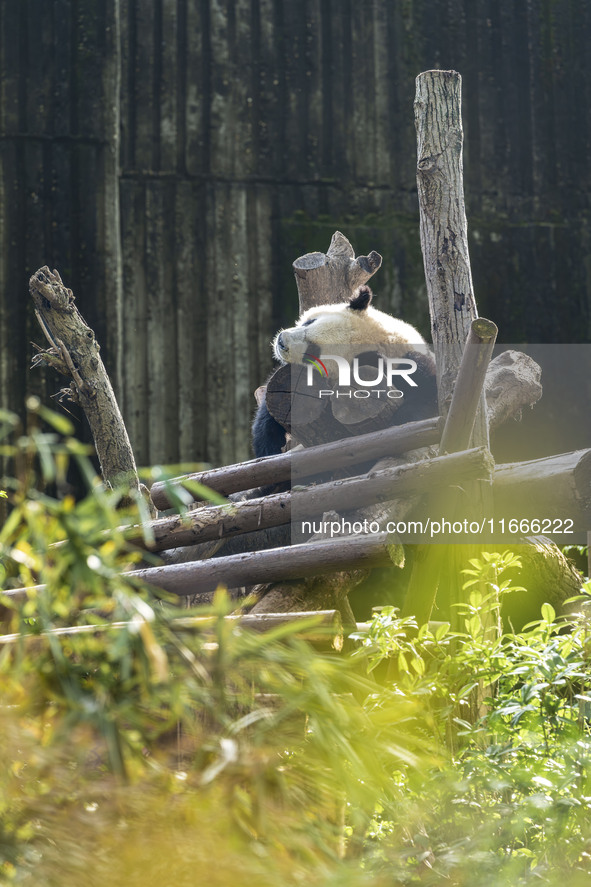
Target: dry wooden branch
[(273, 565), (322, 625), (323, 279), (314, 460), (213, 522), (74, 351), (556, 488), (468, 387)]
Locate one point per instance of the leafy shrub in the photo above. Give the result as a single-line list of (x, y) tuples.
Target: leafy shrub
[(160, 741), (511, 803), (144, 745)]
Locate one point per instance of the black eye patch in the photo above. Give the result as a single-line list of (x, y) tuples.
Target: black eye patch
[(308, 322)]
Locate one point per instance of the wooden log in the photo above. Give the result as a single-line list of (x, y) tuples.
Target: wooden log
[(362, 415), (469, 385), (512, 383), (444, 243), (199, 579), (443, 225), (393, 483), (259, 540), (74, 351), (325, 279), (556, 488), (213, 522), (275, 564), (338, 454)]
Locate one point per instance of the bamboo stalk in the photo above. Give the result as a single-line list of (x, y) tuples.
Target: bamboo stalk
[(321, 624)]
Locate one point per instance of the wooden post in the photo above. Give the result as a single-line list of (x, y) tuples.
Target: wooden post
[(443, 225), (323, 279), (444, 242), (467, 392), (273, 565), (75, 352)]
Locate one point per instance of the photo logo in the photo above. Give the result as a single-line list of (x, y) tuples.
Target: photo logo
[(388, 370), (314, 363)]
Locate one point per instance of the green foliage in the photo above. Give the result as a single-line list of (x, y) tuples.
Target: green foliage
[(147, 745), (125, 721), (512, 802)]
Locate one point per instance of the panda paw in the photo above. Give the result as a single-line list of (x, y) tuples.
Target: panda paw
[(268, 436)]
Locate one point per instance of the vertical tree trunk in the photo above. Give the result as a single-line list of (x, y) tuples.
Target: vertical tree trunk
[(444, 229), (444, 242)]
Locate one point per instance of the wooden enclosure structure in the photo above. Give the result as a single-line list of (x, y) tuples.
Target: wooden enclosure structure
[(463, 344), (255, 128)]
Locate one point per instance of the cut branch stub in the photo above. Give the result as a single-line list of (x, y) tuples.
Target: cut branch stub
[(468, 388), (331, 277), (74, 351)]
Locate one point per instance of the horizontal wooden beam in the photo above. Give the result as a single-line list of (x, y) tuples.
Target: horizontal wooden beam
[(277, 469), (217, 521), (199, 579)]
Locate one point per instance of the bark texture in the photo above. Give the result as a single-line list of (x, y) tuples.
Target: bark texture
[(74, 352), (229, 156), (324, 279)]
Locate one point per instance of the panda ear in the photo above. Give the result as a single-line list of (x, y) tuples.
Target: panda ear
[(361, 298)]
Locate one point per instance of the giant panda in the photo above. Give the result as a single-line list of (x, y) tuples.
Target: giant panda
[(360, 327)]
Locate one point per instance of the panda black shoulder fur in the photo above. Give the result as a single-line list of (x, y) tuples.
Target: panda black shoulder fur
[(359, 326)]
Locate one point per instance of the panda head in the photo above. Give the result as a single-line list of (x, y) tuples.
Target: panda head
[(353, 324)]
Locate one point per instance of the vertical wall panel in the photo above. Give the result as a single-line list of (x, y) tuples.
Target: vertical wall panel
[(35, 247), (135, 401), (168, 87), (196, 88), (192, 331), (162, 365), (143, 107), (39, 66), (268, 110), (231, 119), (173, 157)]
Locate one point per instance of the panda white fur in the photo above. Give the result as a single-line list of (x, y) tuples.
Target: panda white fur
[(359, 326)]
